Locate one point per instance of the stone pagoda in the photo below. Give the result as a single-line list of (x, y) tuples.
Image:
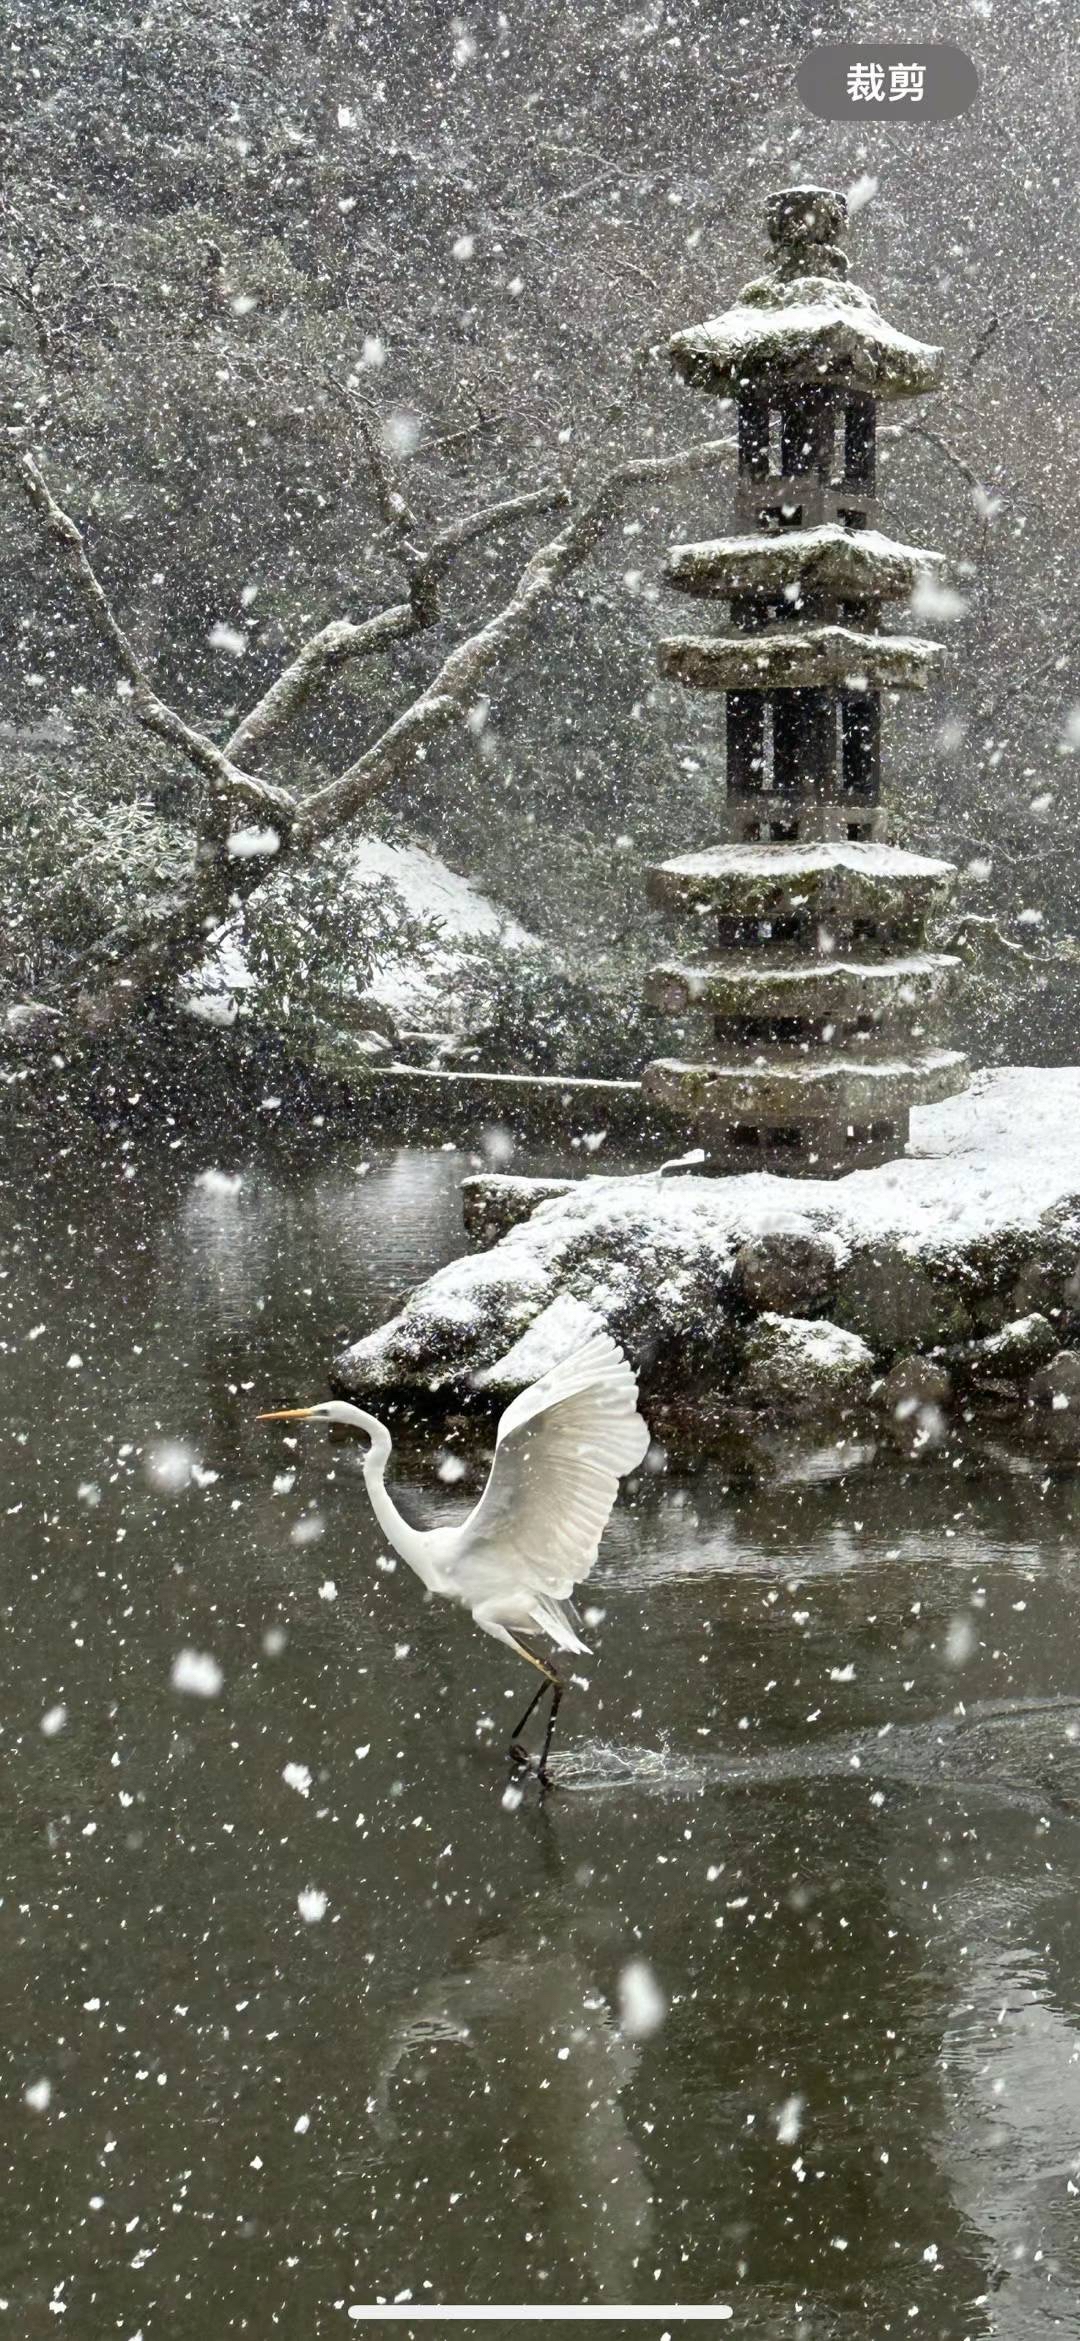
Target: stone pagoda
[(800, 977)]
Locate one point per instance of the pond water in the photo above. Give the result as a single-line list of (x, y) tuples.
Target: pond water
[(298, 2015)]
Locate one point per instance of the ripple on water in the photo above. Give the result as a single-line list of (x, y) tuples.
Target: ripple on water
[(1025, 1751)]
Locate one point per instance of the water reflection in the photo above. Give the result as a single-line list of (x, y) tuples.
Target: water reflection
[(1007, 2139), (521, 2036)]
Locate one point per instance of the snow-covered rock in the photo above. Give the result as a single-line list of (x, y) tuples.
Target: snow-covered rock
[(788, 1269), (804, 1365), (1057, 1384), (1012, 1354), (494, 1201), (913, 1384), (928, 1249)]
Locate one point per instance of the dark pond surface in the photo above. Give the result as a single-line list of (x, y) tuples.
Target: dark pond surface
[(298, 2015)]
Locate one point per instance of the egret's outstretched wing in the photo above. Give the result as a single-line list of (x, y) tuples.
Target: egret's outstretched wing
[(561, 1449)]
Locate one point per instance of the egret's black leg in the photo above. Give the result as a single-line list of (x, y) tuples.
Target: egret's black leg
[(543, 1774), (518, 1754)]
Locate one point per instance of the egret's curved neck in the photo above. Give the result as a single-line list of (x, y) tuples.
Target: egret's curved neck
[(410, 1542), (382, 1503)]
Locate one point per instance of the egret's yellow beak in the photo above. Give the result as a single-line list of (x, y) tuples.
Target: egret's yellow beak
[(287, 1414)]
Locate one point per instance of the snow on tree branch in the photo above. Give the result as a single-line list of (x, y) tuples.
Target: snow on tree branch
[(343, 639), (319, 656), (458, 681), (227, 781)]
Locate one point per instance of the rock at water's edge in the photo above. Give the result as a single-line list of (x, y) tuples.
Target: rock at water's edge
[(492, 1202), (787, 1270), (1011, 1355), (911, 1385), (928, 1250), (1057, 1384), (805, 1365)]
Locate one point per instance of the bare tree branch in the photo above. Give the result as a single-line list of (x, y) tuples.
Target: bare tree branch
[(979, 351), (343, 640), (227, 782), (459, 678), (394, 507), (933, 439), (469, 431), (25, 292)]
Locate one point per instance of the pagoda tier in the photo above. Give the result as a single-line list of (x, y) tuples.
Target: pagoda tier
[(802, 326), (841, 886), (819, 333), (841, 993), (792, 565), (808, 1006), (802, 981), (800, 658), (788, 1088)]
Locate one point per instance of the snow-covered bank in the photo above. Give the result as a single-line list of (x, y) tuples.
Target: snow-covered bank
[(433, 928), (429, 889), (976, 1229)]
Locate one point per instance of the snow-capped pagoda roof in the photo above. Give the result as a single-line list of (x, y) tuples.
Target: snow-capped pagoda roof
[(850, 563), (856, 879), (784, 1084), (802, 322), (738, 983), (807, 329), (800, 658)]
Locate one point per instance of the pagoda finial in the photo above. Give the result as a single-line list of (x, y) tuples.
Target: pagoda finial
[(803, 225)]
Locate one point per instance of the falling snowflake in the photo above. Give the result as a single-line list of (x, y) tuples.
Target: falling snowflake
[(642, 2003), (227, 638), (197, 1673)]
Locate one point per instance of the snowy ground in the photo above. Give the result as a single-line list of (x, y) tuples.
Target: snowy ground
[(978, 1224), (429, 889)]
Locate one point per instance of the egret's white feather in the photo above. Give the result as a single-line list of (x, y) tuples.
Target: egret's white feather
[(561, 1449)]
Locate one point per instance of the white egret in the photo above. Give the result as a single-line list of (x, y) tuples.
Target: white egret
[(561, 1449)]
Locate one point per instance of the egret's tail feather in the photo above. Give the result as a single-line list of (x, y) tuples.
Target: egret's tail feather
[(560, 1621)]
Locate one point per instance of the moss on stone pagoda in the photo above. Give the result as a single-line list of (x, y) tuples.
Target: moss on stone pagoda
[(803, 982)]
